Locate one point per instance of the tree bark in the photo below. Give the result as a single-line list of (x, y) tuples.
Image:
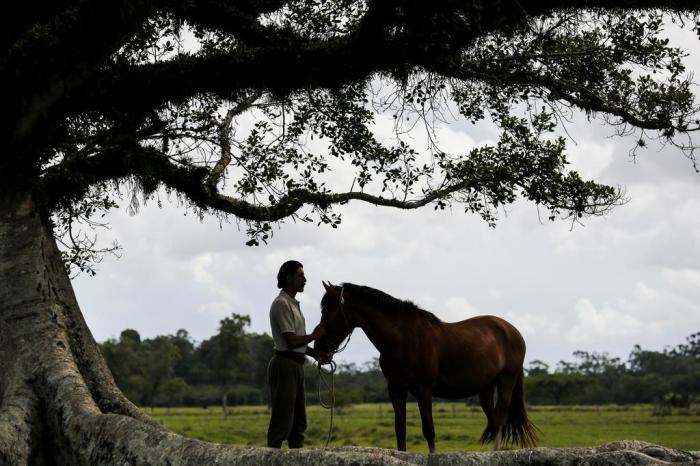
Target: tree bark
[(59, 404)]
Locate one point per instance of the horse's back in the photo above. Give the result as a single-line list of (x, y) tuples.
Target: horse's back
[(487, 334), (485, 323)]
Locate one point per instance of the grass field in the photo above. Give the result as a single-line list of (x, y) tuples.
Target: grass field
[(457, 426)]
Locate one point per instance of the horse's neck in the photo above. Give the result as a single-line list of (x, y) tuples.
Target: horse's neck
[(381, 331)]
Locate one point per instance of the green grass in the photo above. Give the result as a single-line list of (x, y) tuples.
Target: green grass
[(458, 427)]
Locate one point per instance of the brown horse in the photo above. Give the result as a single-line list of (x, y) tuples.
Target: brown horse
[(421, 355)]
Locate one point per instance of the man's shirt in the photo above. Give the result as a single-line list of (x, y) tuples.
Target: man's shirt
[(286, 316)]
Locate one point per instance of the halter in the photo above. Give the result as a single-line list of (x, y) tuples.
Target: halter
[(342, 346)]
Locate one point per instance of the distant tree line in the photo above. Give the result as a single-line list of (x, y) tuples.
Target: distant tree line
[(172, 370), (230, 368), (668, 377)]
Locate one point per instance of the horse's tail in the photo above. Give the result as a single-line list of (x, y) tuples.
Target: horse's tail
[(518, 429)]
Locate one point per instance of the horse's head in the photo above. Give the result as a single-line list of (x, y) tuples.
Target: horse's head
[(335, 318)]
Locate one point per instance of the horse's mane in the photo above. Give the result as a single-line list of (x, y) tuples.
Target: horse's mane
[(388, 303)]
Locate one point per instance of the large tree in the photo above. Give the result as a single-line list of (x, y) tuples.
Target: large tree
[(240, 109)]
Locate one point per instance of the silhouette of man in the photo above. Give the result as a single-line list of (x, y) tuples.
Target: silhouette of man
[(285, 372)]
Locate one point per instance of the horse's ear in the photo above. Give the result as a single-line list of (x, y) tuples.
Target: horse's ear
[(330, 288)]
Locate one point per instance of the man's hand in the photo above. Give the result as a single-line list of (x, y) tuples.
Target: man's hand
[(318, 332), (321, 356)]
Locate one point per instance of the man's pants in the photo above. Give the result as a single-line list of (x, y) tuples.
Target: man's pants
[(288, 419)]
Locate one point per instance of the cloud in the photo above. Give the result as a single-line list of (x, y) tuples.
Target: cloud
[(457, 308), (644, 293), (531, 325), (645, 315), (591, 157), (217, 271), (220, 309), (599, 323), (684, 281)]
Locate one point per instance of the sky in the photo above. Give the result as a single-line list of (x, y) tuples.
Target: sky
[(631, 277)]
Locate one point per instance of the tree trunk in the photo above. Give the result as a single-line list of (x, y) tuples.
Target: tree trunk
[(53, 379), (58, 401)]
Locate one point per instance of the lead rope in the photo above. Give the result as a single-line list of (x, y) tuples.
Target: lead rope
[(323, 404), (331, 386)]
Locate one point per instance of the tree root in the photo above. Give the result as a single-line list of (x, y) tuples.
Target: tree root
[(20, 424), (93, 368)]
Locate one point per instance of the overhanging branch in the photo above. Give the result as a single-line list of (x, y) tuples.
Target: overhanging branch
[(71, 180), (56, 56), (560, 89)]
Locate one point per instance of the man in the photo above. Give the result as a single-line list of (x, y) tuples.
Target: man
[(285, 371)]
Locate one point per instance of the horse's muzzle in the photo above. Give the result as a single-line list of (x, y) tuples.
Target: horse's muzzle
[(324, 344)]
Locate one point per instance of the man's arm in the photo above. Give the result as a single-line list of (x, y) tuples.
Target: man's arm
[(295, 341)]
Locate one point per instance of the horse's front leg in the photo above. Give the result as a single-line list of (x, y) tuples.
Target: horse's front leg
[(424, 397), (397, 394)]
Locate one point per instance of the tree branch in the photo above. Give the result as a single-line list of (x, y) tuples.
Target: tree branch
[(225, 141), (72, 179), (560, 89), (58, 55), (294, 63)]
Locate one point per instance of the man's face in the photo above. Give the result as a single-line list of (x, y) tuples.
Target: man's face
[(297, 280)]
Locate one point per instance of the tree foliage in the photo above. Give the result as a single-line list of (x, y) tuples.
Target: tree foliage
[(247, 110), (670, 376), (173, 370)]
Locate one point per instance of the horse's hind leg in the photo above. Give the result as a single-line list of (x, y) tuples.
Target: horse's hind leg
[(398, 400), (424, 397), (486, 400), (504, 384)]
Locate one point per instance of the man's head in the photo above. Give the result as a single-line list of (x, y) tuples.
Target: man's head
[(291, 276)]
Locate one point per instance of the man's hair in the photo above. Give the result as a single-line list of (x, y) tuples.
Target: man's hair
[(288, 268)]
